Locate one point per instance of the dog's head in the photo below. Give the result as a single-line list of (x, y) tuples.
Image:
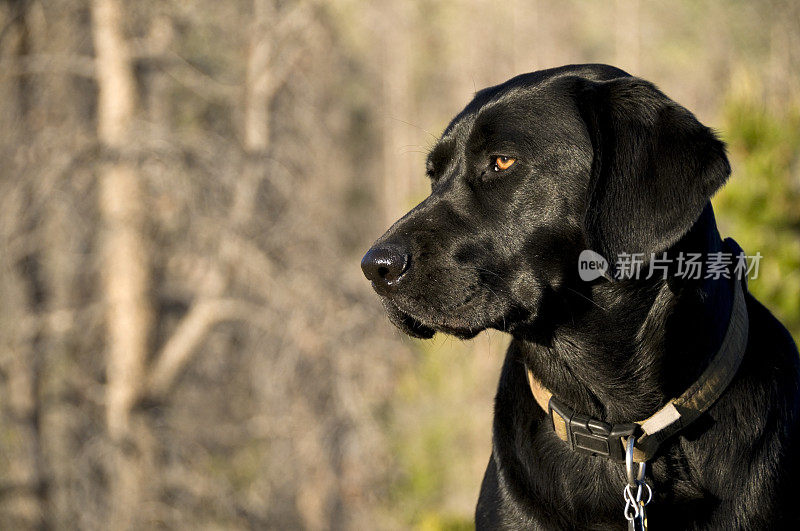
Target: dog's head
[(528, 175)]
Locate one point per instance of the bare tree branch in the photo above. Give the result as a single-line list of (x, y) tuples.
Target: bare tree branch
[(41, 63), (190, 332)]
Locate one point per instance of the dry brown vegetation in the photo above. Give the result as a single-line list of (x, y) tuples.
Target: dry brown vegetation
[(187, 187)]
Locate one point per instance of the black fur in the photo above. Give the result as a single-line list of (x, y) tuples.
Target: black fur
[(603, 161)]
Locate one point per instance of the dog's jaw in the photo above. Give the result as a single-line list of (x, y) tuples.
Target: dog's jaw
[(407, 323), (415, 326)]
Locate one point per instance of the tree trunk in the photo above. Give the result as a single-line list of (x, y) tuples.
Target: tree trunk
[(256, 113), (125, 267), (627, 41), (257, 97), (399, 164)]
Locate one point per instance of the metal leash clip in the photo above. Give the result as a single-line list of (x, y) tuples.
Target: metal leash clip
[(634, 504)]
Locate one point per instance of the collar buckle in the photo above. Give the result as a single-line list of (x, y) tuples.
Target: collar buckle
[(590, 436)]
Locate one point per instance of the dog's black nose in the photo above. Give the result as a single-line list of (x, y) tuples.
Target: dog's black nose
[(384, 266)]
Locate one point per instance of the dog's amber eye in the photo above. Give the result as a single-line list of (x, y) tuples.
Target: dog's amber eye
[(503, 163)]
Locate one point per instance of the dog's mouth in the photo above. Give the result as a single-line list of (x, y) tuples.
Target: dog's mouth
[(406, 322), (415, 326)]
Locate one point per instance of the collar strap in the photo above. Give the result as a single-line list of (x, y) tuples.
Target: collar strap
[(595, 437)]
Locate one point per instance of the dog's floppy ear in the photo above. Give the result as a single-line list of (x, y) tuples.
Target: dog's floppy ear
[(655, 167)]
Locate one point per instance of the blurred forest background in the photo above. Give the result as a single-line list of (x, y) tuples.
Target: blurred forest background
[(187, 187)]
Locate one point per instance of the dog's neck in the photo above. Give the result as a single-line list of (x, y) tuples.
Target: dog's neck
[(623, 349)]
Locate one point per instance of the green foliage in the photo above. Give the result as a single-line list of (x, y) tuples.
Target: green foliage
[(439, 522), (421, 443), (760, 206), (439, 431)]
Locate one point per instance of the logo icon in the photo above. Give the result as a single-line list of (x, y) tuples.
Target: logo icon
[(591, 265)]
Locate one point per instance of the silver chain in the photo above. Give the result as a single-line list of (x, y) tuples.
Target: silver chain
[(634, 490)]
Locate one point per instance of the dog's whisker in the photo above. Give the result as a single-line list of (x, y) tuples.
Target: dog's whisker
[(576, 292), (415, 126)]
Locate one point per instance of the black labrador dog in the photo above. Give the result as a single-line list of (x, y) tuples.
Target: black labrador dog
[(529, 175)]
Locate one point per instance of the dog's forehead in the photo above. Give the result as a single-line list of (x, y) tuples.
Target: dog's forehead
[(487, 106), (520, 108), (537, 100), (524, 89)]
